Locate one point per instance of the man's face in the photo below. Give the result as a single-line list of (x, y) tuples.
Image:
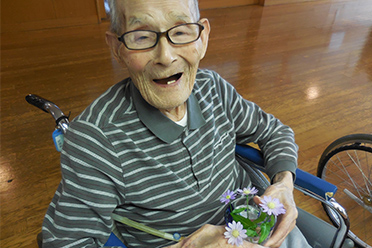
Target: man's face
[(164, 74)]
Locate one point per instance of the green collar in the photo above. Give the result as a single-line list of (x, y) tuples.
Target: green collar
[(160, 125)]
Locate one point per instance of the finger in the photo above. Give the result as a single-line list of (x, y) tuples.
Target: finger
[(280, 233), (257, 200), (247, 244)]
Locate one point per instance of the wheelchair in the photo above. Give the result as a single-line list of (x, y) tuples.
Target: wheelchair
[(317, 232), (347, 163)]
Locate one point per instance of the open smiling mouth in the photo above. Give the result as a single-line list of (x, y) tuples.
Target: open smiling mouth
[(169, 80)]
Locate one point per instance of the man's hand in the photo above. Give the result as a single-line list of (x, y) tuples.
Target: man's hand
[(283, 190), (210, 236)]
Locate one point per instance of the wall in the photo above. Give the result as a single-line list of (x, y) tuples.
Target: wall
[(212, 4), (278, 2), (23, 15)]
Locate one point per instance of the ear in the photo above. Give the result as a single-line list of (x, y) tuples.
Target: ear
[(205, 35), (114, 44)]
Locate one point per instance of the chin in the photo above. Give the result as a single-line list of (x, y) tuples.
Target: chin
[(170, 105)]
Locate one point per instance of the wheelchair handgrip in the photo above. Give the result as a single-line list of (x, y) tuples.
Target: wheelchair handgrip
[(303, 179), (38, 101), (49, 107)]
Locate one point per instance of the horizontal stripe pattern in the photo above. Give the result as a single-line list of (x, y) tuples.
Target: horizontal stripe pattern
[(111, 162)]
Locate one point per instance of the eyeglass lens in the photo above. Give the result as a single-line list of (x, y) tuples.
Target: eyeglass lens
[(143, 39)]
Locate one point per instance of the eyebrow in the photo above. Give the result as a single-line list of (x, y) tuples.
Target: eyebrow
[(179, 17), (135, 20)]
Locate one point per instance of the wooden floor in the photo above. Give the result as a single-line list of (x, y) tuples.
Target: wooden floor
[(310, 64)]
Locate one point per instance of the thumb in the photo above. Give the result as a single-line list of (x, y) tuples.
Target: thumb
[(257, 200)]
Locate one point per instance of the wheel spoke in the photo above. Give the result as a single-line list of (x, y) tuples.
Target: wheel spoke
[(358, 165), (342, 168), (346, 164)]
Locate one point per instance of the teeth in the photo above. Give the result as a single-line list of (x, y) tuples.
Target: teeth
[(171, 82)]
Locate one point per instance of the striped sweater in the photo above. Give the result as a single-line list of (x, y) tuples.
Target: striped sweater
[(121, 155)]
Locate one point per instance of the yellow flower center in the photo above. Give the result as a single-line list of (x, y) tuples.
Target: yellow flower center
[(247, 192), (228, 197), (235, 233), (271, 205)]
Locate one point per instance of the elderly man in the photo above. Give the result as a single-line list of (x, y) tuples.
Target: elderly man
[(158, 147)]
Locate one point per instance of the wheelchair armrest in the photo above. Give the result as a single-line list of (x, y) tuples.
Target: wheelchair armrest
[(315, 184), (303, 178), (310, 185), (251, 154)]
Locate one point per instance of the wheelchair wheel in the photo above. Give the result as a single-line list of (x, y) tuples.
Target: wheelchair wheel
[(347, 163)]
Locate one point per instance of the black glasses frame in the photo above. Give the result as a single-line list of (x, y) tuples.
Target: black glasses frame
[(160, 34)]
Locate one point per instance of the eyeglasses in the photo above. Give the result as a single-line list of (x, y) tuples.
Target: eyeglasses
[(177, 35)]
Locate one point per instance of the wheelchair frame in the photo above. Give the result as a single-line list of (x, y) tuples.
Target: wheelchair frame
[(252, 161)]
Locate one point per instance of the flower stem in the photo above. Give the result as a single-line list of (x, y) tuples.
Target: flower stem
[(143, 227)]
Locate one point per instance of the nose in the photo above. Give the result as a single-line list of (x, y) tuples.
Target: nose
[(164, 52)]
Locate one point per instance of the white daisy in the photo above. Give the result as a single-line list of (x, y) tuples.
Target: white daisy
[(235, 233)]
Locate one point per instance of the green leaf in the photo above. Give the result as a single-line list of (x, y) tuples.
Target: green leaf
[(251, 233), (238, 210), (272, 221), (245, 222), (261, 218), (265, 231)]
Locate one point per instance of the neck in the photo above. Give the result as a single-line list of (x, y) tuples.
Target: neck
[(175, 114)]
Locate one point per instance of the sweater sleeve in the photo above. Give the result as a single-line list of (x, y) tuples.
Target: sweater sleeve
[(252, 124), (80, 212)]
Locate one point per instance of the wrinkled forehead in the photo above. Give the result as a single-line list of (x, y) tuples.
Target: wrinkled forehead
[(145, 19), (157, 12)]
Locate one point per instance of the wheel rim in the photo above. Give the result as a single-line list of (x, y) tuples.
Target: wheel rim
[(349, 168)]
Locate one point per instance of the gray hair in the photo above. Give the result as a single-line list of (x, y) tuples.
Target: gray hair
[(117, 19)]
